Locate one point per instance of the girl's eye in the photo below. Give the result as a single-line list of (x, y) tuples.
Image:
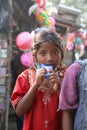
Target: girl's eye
[(42, 53), (55, 52)]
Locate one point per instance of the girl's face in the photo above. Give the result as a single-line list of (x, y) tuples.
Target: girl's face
[(49, 54)]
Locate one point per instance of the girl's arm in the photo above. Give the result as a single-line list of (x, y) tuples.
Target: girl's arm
[(68, 116), (25, 104)]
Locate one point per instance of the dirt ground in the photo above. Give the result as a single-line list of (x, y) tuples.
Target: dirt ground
[(11, 121)]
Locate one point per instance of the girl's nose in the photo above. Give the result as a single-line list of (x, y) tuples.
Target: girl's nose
[(49, 57)]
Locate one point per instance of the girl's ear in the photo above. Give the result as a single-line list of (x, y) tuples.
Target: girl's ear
[(36, 60), (60, 58)]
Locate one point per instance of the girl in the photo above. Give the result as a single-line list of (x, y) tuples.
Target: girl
[(35, 94)]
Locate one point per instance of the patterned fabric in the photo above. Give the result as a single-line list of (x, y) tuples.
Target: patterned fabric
[(43, 115), (81, 112), (74, 93)]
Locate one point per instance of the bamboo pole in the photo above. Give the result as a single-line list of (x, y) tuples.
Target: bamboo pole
[(8, 80)]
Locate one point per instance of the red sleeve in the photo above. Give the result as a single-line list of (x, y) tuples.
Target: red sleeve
[(20, 88)]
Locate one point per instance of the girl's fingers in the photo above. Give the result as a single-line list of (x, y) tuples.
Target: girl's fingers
[(41, 71), (53, 78)]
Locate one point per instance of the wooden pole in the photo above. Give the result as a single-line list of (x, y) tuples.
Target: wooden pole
[(9, 37), (8, 81), (4, 76)]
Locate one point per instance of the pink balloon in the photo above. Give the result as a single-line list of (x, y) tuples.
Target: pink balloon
[(26, 59), (52, 20), (70, 46), (71, 36), (24, 40), (39, 10)]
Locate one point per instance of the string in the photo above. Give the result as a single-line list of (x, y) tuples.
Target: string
[(22, 10)]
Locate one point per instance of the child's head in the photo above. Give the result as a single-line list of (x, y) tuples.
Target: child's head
[(47, 47)]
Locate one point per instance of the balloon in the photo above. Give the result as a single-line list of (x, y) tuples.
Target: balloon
[(26, 59), (52, 21), (24, 40), (71, 37), (53, 28), (43, 14), (41, 3), (32, 9), (39, 18), (85, 43), (78, 40), (45, 23), (70, 46), (37, 11)]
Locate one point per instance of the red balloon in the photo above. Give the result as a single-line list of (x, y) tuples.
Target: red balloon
[(24, 40), (41, 3), (26, 59)]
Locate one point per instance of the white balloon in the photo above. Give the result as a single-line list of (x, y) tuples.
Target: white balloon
[(32, 8)]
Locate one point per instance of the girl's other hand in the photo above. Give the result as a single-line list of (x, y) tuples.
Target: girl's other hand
[(54, 81)]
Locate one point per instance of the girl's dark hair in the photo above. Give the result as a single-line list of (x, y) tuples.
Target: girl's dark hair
[(47, 35)]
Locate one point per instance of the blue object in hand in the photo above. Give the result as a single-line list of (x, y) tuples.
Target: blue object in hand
[(47, 67)]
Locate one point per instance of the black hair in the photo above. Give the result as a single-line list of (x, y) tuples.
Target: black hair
[(47, 35)]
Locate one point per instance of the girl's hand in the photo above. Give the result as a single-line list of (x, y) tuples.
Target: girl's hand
[(40, 76), (54, 81), (53, 78)]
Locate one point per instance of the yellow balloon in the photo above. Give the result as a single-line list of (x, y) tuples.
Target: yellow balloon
[(39, 18)]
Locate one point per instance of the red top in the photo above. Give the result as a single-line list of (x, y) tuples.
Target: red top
[(43, 114)]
